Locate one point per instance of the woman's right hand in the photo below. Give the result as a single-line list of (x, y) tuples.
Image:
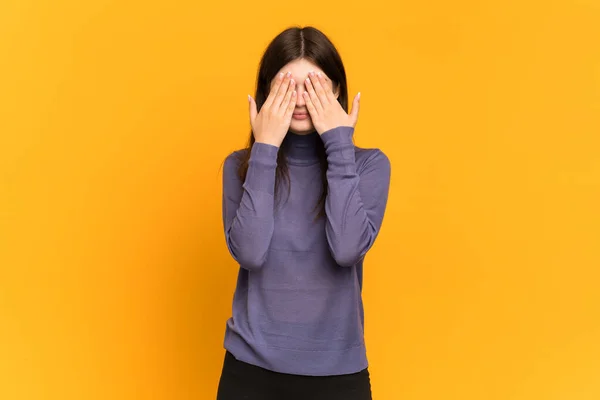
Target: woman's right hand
[(271, 124)]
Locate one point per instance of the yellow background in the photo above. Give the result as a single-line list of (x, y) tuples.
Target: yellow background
[(115, 117)]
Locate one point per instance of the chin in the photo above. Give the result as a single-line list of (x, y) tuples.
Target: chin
[(302, 127)]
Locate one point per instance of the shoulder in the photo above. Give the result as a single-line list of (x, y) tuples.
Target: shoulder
[(368, 159), (236, 157), (233, 162)]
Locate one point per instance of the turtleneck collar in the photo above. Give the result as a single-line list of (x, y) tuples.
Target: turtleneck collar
[(302, 149)]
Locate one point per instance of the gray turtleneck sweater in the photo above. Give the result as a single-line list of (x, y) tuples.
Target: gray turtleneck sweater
[(297, 307)]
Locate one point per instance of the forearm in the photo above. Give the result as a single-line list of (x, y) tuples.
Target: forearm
[(250, 228), (352, 225)]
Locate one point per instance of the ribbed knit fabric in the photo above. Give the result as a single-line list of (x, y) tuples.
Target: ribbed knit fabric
[(297, 307)]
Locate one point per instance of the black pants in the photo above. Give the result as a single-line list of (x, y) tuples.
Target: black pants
[(242, 381)]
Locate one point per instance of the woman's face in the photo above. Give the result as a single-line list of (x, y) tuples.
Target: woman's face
[(301, 123)]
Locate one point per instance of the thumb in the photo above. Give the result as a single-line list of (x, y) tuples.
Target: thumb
[(252, 105), (355, 108)]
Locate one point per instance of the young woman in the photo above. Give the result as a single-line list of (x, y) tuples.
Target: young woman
[(301, 207)]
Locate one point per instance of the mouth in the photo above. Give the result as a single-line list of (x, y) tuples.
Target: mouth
[(300, 116)]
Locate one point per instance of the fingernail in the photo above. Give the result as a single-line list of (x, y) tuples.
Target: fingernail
[(281, 74), (288, 74), (319, 74), (249, 98), (359, 95)]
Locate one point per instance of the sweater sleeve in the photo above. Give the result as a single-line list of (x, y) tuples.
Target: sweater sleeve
[(356, 200), (248, 206)]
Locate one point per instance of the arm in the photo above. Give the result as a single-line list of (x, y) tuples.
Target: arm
[(356, 200), (248, 206)]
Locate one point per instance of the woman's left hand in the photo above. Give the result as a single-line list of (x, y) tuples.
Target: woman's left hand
[(325, 111)]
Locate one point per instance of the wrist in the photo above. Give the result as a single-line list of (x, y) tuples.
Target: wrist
[(339, 132), (264, 154), (268, 142)]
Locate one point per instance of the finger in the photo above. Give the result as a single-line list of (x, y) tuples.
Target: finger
[(355, 109), (252, 106), (319, 89), (291, 106), (288, 96), (283, 88), (313, 95), (274, 89), (310, 105), (328, 90)]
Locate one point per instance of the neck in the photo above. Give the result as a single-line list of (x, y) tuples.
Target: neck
[(302, 149)]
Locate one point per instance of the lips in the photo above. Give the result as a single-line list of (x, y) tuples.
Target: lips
[(300, 115)]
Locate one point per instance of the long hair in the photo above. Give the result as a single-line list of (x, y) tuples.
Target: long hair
[(292, 44)]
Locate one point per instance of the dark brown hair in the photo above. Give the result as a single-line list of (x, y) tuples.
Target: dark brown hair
[(292, 44)]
